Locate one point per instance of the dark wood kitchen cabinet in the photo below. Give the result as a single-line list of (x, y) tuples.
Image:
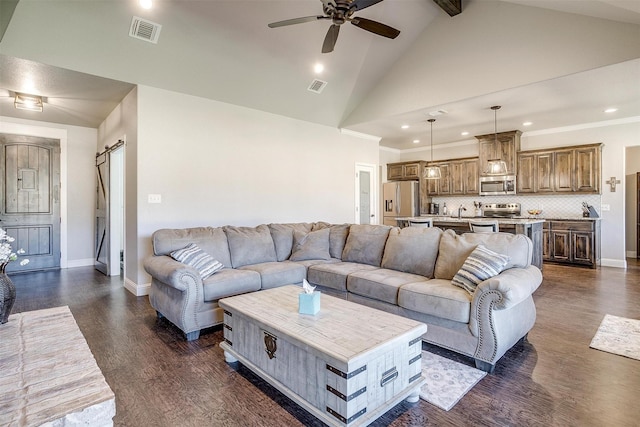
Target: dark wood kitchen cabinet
[(571, 242), (464, 176), (570, 170), (404, 171), (442, 186), (504, 147)]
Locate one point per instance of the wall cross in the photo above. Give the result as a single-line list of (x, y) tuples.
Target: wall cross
[(612, 182)]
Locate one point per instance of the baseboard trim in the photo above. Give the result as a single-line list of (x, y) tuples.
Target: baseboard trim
[(137, 290), (72, 263), (609, 262)]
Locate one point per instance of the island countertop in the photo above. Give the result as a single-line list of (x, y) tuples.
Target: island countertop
[(465, 219)]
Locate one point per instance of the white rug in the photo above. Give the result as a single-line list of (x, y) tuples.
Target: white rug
[(447, 381), (618, 335)]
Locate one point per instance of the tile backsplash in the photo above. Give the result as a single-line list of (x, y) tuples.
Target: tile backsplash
[(560, 206)]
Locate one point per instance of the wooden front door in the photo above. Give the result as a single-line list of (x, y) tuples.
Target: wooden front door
[(30, 198)]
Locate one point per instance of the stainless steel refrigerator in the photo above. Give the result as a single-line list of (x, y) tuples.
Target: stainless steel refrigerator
[(400, 199)]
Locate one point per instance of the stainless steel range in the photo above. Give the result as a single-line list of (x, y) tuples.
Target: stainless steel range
[(501, 210)]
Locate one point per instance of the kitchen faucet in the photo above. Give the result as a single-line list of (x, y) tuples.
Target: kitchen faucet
[(460, 209)]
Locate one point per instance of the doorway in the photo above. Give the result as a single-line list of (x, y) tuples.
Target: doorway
[(366, 194), (30, 199), (109, 226)]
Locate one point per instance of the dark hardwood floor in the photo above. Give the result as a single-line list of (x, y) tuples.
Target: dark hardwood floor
[(159, 379)]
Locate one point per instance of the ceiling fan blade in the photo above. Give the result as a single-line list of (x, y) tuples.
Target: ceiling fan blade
[(363, 4), (331, 38), (376, 27), (296, 21)]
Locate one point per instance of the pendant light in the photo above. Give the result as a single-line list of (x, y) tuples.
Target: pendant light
[(496, 166), (432, 172)]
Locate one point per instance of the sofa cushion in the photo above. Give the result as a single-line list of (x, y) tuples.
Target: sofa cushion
[(278, 273), (365, 244), (282, 235), (334, 275), (312, 245), (228, 282), (436, 297), (380, 284), (480, 265), (211, 240), (195, 257), (412, 250), (454, 250), (337, 237), (250, 245)]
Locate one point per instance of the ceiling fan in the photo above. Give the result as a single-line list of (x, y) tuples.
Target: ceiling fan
[(339, 12)]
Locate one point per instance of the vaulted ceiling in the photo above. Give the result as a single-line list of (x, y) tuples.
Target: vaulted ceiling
[(554, 63)]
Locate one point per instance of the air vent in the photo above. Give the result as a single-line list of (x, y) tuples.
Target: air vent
[(317, 86), (144, 30)]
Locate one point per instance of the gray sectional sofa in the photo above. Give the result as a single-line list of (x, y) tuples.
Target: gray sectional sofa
[(405, 271)]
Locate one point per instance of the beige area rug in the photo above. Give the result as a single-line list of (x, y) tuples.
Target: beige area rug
[(447, 381), (618, 335)]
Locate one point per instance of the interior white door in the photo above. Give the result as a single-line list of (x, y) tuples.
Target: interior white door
[(366, 194)]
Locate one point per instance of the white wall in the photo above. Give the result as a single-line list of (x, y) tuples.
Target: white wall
[(78, 149), (216, 164), (631, 199), (616, 136)]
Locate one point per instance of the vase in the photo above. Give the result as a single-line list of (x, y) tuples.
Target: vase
[(7, 297)]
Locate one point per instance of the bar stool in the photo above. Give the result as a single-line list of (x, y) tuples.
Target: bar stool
[(484, 226), (421, 222)]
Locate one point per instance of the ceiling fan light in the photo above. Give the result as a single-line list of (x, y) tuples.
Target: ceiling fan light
[(497, 167), (28, 102), (432, 172)]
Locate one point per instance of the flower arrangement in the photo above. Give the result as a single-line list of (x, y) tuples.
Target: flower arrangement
[(6, 252)]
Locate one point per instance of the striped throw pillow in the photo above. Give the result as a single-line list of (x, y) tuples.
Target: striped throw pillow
[(480, 265), (195, 257)]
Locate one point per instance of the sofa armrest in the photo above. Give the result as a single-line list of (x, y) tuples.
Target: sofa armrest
[(171, 272), (510, 287)]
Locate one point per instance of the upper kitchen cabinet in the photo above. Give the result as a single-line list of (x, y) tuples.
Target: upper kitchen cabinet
[(566, 170), (464, 176), (503, 147), (404, 171), (459, 177)]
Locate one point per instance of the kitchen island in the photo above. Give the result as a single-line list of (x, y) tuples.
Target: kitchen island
[(530, 227)]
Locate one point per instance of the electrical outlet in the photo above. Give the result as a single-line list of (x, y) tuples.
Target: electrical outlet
[(605, 207), (155, 198)]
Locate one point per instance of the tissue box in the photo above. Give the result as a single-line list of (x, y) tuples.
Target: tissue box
[(309, 303)]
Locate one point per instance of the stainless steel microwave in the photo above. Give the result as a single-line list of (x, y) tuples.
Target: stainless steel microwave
[(497, 185)]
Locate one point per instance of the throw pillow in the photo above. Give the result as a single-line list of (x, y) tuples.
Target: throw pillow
[(365, 244), (312, 245), (480, 265), (195, 257)]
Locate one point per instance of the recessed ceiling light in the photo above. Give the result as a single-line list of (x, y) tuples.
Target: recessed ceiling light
[(146, 4), (416, 141), (318, 68), (405, 126), (611, 110), (465, 133), (527, 123)]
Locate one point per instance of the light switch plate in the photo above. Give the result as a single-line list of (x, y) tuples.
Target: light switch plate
[(155, 198)]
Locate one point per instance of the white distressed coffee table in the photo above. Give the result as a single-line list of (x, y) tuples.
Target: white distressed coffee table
[(48, 375), (347, 365)]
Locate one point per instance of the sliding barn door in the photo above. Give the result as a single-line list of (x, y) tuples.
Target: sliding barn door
[(30, 198), (102, 214)]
